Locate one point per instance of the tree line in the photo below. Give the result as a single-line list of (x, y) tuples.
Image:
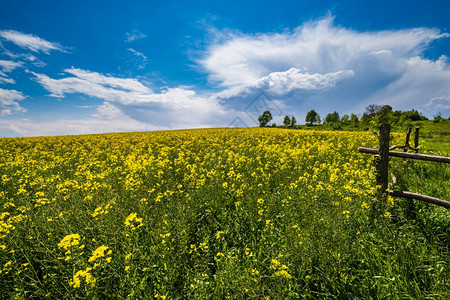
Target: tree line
[(374, 113)]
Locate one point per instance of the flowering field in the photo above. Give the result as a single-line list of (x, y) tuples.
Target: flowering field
[(214, 213)]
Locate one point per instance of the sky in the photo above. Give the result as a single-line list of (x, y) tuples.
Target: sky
[(79, 67)]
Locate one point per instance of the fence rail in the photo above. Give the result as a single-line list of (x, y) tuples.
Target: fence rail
[(382, 164), (435, 158)]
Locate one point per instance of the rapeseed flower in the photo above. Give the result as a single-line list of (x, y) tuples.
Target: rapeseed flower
[(98, 253), (69, 241)]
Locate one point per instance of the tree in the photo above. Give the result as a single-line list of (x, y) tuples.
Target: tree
[(293, 121), (287, 121), (332, 118), (312, 117), (354, 121), (345, 120), (265, 118), (373, 109)]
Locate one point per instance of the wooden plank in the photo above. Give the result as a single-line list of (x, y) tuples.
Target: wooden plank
[(435, 158), (420, 197)]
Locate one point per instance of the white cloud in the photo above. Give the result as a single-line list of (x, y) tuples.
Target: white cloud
[(6, 79), (30, 41), (9, 101), (7, 65), (171, 107), (140, 56), (26, 127), (284, 82), (322, 65), (439, 103), (133, 36), (137, 53)]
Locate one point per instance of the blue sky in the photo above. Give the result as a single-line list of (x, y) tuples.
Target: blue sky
[(75, 67)]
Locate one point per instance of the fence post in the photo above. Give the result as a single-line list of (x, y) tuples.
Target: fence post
[(408, 133), (383, 159)]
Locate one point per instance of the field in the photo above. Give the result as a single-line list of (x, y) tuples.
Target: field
[(257, 213)]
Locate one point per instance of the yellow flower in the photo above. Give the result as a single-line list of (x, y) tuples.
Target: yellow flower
[(133, 221), (69, 241), (99, 252), (219, 234), (365, 205), (76, 281), (283, 273)]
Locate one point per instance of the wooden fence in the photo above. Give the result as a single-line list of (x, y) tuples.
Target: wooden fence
[(382, 162)]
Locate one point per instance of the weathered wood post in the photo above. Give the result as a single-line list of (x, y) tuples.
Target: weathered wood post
[(383, 159), (416, 139), (408, 133)]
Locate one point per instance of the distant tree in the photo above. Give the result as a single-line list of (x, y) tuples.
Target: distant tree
[(332, 118), (293, 121), (373, 109), (287, 121), (312, 117), (345, 120), (354, 121), (437, 118), (414, 115), (274, 125), (265, 118)]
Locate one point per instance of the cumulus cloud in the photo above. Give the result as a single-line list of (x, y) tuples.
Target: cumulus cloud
[(30, 41), (284, 82), (323, 65), (9, 101)]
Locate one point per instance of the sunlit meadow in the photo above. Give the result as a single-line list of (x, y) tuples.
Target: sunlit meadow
[(216, 213)]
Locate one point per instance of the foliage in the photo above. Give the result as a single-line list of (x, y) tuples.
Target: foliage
[(332, 118), (312, 117), (265, 118), (287, 121), (354, 121), (293, 121), (212, 214), (384, 114)]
